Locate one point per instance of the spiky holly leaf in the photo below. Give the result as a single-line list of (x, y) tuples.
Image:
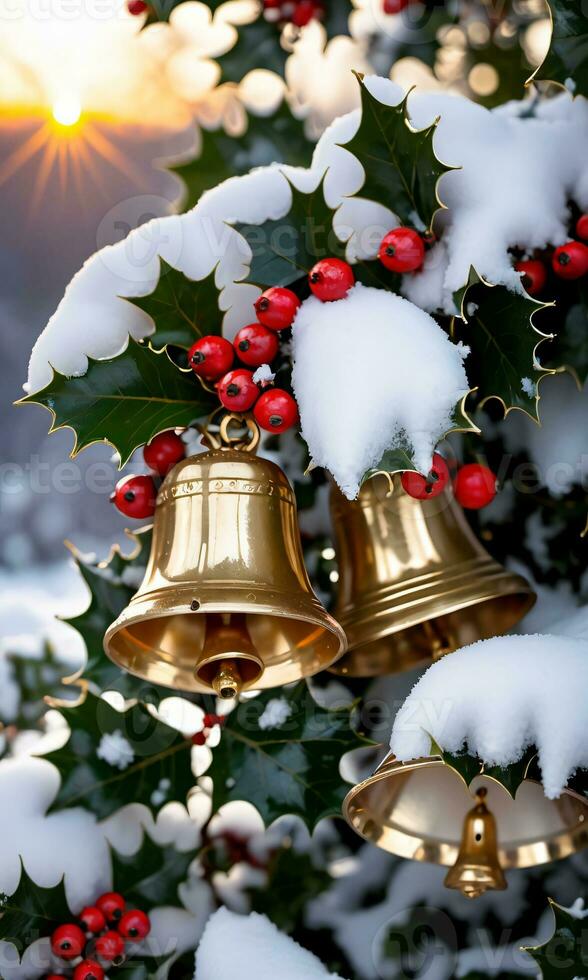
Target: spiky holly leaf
[(401, 169), (31, 912), (152, 875), (567, 58), (258, 44), (268, 139), (469, 766), (565, 955), (35, 677), (182, 309), (155, 752), (285, 249), (125, 400), (292, 768), (497, 325), (293, 882)]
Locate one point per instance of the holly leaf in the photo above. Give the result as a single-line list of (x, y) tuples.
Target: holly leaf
[(151, 876), (258, 44), (497, 325), (292, 768), (567, 57), (31, 912), (156, 752), (35, 677), (293, 882), (510, 777), (182, 309), (401, 169), (124, 401), (268, 139), (565, 955), (285, 249)]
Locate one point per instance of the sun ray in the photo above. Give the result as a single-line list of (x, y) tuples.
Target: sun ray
[(115, 157), (24, 153)]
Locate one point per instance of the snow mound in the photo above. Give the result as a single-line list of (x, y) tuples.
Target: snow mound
[(372, 371), (498, 697), (264, 952)]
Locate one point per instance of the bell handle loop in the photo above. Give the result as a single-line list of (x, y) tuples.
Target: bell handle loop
[(223, 439)]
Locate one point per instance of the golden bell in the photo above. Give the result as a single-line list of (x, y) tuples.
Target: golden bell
[(226, 602), (414, 581), (477, 868), (417, 810)]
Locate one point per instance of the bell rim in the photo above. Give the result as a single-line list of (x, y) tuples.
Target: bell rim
[(445, 853)]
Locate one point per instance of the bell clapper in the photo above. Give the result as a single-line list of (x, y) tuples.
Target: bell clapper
[(227, 682), (477, 868), (441, 642)]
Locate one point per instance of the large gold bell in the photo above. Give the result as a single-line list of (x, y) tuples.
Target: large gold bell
[(414, 581), (417, 810), (226, 602), (477, 868)]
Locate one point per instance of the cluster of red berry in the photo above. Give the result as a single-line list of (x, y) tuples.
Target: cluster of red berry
[(135, 496), (474, 485), (98, 941), (208, 723), (569, 261), (297, 12)]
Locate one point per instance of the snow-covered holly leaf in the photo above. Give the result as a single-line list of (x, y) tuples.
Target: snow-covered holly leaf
[(288, 768), (497, 326), (284, 250), (182, 309), (401, 169), (124, 401), (566, 61), (293, 882), (565, 955), (151, 876), (31, 912), (510, 777), (276, 138), (258, 44), (112, 758)]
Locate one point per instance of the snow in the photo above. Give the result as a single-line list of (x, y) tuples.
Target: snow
[(577, 910), (116, 750), (263, 375), (498, 697), (372, 371), (275, 713), (263, 951)]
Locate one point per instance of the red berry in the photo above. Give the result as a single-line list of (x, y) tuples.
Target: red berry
[(402, 250), (534, 275), (68, 941), (88, 970), (209, 721), (134, 925), (135, 496), (92, 919), (582, 227), (429, 486), (394, 6), (53, 976), (110, 946), (475, 486), (211, 357), (276, 410), (136, 7), (199, 738), (277, 307), (306, 10), (570, 261), (163, 452), (112, 905), (256, 345), (237, 390), (331, 279)]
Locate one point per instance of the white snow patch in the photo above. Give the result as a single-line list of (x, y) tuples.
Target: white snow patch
[(263, 375), (275, 713), (372, 370), (116, 750), (577, 910), (264, 951), (498, 697), (528, 386)]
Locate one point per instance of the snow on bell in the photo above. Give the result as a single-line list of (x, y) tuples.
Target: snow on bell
[(414, 581), (226, 603)]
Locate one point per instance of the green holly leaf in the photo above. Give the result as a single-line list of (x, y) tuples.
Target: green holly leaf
[(565, 955), (293, 768), (31, 912), (124, 401), (35, 677), (567, 57), (157, 752), (401, 169), (497, 325), (182, 309), (258, 44), (152, 875), (293, 882), (284, 250), (469, 766), (268, 139)]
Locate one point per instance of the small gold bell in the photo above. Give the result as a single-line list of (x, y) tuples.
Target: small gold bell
[(226, 603), (414, 581), (477, 868)]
